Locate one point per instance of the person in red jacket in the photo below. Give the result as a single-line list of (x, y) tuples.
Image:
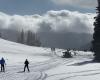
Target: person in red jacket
[(26, 65)]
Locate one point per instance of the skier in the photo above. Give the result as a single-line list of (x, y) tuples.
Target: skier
[(2, 62), (26, 65)]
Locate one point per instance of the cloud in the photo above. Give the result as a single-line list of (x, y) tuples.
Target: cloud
[(66, 21), (80, 3), (53, 21)]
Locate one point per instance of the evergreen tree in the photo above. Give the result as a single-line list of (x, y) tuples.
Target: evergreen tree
[(37, 41), (96, 35), (32, 39), (29, 38), (0, 35), (21, 38)]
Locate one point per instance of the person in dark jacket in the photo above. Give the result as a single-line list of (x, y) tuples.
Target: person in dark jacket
[(2, 62), (26, 65)]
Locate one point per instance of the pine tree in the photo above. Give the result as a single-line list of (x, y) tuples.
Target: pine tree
[(96, 35), (0, 35), (29, 38), (21, 37), (37, 41), (32, 39)]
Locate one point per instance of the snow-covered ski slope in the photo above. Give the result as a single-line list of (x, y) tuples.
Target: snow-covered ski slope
[(14, 52), (44, 65)]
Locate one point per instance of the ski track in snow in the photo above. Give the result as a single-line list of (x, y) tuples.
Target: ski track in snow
[(65, 76), (38, 71), (69, 75)]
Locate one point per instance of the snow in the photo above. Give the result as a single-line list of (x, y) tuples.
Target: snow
[(44, 65), (17, 52)]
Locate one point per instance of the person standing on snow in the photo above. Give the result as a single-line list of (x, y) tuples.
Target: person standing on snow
[(26, 65), (2, 62)]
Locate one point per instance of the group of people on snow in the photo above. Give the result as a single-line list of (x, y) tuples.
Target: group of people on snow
[(2, 62)]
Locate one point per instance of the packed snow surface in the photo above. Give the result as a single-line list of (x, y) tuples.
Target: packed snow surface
[(46, 65)]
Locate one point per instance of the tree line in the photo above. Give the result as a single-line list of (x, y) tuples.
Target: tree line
[(26, 37), (29, 38)]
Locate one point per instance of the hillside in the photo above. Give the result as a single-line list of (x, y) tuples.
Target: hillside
[(46, 66), (15, 52)]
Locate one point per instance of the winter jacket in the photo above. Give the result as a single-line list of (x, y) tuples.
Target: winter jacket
[(26, 62), (2, 61)]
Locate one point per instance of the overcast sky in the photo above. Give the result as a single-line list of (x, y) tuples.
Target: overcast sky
[(29, 7)]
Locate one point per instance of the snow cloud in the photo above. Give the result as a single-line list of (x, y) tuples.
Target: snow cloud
[(53, 21), (80, 3)]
